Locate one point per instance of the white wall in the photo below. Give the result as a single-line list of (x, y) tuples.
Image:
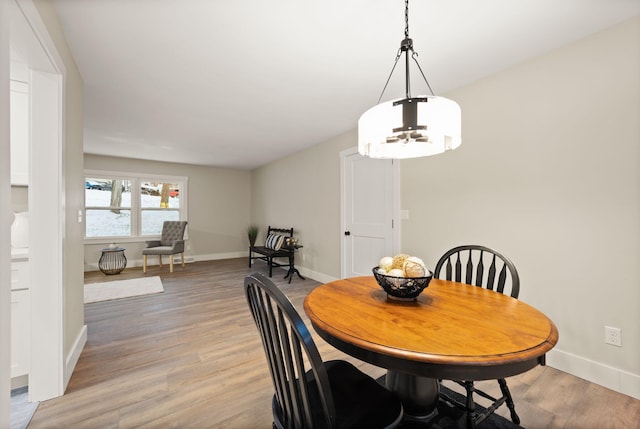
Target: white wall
[(549, 174)]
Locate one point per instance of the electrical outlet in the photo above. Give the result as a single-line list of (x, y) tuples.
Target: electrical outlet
[(612, 336)]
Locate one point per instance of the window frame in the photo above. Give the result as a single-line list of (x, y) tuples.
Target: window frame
[(136, 207)]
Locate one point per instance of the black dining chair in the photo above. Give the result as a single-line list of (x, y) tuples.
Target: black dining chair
[(310, 393), (483, 267)]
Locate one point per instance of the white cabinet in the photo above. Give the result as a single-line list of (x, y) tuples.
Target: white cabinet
[(19, 113), (20, 319)]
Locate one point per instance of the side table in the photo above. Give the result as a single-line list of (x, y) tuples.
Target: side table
[(292, 268), (112, 261)]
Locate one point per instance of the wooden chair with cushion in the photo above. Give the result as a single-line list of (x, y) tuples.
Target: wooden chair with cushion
[(310, 393), (483, 267), (171, 243)]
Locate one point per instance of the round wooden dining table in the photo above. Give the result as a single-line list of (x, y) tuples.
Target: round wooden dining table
[(451, 331)]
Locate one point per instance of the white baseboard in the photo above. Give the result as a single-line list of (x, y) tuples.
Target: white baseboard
[(19, 381), (187, 259), (216, 256), (72, 359), (595, 372), (319, 277)]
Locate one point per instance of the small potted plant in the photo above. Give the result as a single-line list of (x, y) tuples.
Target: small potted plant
[(252, 234)]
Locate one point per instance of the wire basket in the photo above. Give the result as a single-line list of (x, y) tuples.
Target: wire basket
[(402, 288)]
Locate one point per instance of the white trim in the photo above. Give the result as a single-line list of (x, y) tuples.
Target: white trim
[(612, 378), (187, 259), (46, 212), (39, 28), (314, 275), (305, 272), (343, 222), (76, 350), (5, 222), (128, 174), (396, 206), (217, 256), (47, 216)]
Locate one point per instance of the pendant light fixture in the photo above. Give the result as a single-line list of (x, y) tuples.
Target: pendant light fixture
[(409, 127)]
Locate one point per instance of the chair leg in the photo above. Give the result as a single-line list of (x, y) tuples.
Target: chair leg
[(507, 394), (270, 263), (182, 259), (144, 264), (170, 263), (160, 260), (471, 405)]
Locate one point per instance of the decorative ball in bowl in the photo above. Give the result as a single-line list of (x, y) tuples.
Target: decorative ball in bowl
[(402, 288)]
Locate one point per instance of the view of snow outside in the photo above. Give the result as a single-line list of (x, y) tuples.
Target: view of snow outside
[(106, 223)]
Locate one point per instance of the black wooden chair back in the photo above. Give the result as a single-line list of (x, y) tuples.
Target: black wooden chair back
[(310, 393), (290, 352), (483, 267), (479, 266)]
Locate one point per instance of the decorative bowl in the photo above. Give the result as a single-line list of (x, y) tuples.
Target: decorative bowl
[(402, 288)]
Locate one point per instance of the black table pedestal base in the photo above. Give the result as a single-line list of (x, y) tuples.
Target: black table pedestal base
[(419, 395)]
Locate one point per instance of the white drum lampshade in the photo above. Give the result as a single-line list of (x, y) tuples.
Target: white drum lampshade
[(387, 130)]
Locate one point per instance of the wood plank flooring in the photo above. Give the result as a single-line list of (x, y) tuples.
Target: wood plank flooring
[(191, 358)]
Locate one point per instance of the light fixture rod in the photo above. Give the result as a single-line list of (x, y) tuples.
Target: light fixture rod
[(390, 74), (406, 46), (414, 56)]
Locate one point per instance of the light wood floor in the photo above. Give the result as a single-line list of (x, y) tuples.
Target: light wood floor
[(191, 358)]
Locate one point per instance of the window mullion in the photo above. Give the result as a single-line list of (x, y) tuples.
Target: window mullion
[(135, 207)]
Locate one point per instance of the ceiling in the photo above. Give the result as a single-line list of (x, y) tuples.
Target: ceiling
[(238, 84)]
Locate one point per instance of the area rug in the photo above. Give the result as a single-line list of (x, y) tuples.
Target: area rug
[(106, 291)]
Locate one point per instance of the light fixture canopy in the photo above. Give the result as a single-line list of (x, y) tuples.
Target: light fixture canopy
[(409, 127)]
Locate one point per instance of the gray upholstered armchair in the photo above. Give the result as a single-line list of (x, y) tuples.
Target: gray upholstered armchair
[(171, 242)]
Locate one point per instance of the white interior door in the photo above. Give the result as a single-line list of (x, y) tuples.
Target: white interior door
[(369, 206)]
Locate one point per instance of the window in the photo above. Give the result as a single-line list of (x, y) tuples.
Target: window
[(159, 201), (107, 207), (120, 205)]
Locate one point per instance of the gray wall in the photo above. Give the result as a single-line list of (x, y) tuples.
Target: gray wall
[(219, 209), (548, 173), (19, 198), (303, 191)]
